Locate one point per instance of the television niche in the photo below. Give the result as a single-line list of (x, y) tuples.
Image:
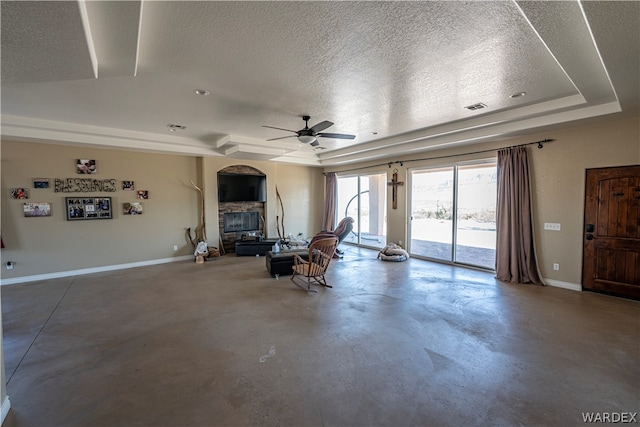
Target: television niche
[(241, 188)]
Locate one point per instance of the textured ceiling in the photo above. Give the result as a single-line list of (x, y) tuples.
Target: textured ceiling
[(396, 74)]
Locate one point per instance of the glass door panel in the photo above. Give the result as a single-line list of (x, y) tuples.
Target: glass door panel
[(364, 198), (476, 215), (453, 214), (431, 229), (348, 204), (373, 210)]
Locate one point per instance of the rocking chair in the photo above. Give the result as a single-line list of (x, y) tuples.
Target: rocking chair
[(320, 254)]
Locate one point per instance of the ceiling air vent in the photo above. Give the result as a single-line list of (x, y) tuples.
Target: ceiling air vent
[(475, 107), (175, 128)]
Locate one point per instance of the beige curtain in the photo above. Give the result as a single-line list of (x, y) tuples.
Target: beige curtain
[(515, 249), (329, 217)]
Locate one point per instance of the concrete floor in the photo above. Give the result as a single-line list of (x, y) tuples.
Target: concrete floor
[(392, 344)]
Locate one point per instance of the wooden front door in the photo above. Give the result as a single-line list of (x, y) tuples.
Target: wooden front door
[(611, 255)]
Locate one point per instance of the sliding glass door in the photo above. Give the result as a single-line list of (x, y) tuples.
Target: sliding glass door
[(453, 214), (476, 215), (364, 198), (431, 208)]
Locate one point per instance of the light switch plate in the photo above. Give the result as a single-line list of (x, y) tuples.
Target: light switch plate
[(554, 226)]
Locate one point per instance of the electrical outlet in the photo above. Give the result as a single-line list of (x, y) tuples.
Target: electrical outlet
[(400, 242), (556, 266), (553, 226), (175, 247), (9, 265)]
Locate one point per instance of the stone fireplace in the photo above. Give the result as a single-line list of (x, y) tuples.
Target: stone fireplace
[(234, 218), (241, 221)]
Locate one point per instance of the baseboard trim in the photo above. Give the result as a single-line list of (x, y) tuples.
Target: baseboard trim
[(564, 285), (6, 405), (37, 277)]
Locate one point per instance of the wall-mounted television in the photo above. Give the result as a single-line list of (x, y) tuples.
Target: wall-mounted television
[(242, 188)]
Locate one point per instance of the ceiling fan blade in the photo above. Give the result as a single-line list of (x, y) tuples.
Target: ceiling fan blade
[(288, 130), (315, 143), (282, 137), (321, 126), (336, 135)]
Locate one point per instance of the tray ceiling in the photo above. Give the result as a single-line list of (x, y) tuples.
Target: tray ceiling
[(398, 75)]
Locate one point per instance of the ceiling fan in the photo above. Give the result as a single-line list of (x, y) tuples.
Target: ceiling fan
[(308, 135)]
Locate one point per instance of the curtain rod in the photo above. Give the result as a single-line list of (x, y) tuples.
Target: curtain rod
[(401, 162)]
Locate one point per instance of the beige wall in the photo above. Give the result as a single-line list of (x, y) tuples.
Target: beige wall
[(558, 184), (41, 246), (53, 244)]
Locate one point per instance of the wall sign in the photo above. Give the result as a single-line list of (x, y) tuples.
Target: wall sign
[(84, 185)]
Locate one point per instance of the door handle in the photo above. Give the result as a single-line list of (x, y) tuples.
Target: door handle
[(590, 237), (590, 228)]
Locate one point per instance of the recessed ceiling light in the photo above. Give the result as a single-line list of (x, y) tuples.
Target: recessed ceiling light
[(477, 106), (518, 95), (174, 128), (202, 92)]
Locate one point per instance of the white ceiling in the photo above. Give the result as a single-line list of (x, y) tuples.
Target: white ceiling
[(396, 74)]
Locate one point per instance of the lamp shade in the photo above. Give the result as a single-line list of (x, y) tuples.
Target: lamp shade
[(306, 139)]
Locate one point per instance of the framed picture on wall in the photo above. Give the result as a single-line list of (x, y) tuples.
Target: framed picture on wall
[(40, 182), (128, 185), (88, 208), (19, 193), (133, 208), (86, 166), (143, 194), (37, 209)]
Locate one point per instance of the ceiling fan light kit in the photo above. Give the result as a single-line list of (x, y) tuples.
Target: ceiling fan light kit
[(306, 139), (309, 135)]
